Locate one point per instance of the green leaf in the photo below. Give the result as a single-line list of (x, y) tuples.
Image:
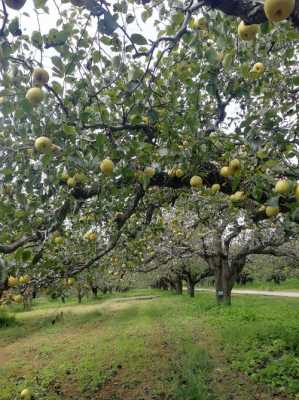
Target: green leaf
[(211, 55), (138, 39), (58, 64), (14, 26), (37, 39)]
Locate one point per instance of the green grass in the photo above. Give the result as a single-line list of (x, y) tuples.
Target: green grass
[(170, 348), (288, 284)]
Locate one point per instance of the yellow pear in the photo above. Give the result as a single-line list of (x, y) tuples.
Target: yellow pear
[(24, 279), (258, 68), (149, 172), (92, 236), (235, 165), (271, 211), (215, 188), (107, 166), (64, 175), (12, 281), (278, 10), (171, 172), (26, 394), (238, 196), (35, 95), (40, 77), (70, 281), (247, 32), (43, 145), (55, 148), (15, 4), (58, 240), (179, 173), (196, 181), (71, 182), (297, 192), (282, 186), (226, 172), (18, 298)]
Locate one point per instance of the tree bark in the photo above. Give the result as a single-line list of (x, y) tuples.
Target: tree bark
[(190, 287), (94, 290), (178, 286), (224, 282)]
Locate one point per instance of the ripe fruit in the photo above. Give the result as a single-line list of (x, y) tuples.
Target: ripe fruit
[(79, 177), (58, 240), (43, 145), (226, 172), (297, 192), (40, 77), (26, 394), (90, 236), (278, 10), (107, 166), (282, 186), (71, 182), (35, 95), (149, 172), (196, 181), (12, 281), (24, 279), (247, 32), (171, 172), (238, 196), (93, 236), (235, 165), (258, 68), (71, 281), (64, 175), (271, 211), (18, 298), (179, 173), (15, 4), (55, 148), (215, 188)]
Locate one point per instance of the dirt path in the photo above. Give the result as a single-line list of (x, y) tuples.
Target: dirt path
[(110, 304), (253, 292)]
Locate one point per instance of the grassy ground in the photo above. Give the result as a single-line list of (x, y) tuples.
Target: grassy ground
[(167, 348), (289, 284)]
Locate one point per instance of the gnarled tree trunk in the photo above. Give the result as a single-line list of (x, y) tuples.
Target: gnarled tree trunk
[(190, 287)]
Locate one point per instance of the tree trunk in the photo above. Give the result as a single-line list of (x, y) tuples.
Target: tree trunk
[(178, 286), (79, 296), (94, 290), (190, 287), (224, 283)]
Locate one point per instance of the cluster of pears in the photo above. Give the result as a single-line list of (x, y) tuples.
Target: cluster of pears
[(57, 238), (283, 187), (229, 170), (90, 235), (35, 95), (275, 10), (44, 145), (72, 181), (176, 172), (14, 281)]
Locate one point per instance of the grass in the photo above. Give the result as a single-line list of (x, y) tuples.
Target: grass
[(288, 284), (168, 348)]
